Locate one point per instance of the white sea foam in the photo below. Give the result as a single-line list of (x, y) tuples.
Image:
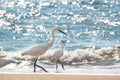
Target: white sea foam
[(77, 60), (111, 23), (76, 56), (3, 22)]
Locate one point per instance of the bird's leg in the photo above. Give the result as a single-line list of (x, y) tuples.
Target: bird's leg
[(56, 66), (38, 66), (61, 65), (35, 65), (42, 68)]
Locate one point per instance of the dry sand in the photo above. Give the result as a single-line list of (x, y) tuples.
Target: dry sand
[(47, 76)]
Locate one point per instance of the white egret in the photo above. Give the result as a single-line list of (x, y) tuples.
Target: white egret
[(41, 49), (57, 55)]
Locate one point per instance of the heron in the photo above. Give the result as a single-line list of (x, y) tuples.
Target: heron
[(40, 49), (58, 54)]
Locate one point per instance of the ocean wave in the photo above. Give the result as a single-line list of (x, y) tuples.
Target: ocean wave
[(88, 55), (78, 56)]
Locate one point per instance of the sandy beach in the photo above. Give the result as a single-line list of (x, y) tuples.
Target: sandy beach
[(47, 76)]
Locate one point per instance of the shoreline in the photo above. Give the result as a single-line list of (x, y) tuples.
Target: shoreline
[(57, 76)]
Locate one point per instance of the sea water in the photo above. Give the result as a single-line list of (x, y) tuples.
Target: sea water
[(92, 27)]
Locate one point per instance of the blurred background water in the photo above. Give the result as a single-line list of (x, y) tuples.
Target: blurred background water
[(88, 23)]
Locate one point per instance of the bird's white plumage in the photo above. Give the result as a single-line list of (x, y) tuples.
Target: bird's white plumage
[(37, 50), (57, 54), (41, 48)]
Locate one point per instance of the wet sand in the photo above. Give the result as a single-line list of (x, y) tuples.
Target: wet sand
[(48, 76)]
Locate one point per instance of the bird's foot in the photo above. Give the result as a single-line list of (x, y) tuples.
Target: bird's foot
[(42, 68), (63, 66)]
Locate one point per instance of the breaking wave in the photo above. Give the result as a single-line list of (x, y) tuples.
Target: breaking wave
[(78, 56)]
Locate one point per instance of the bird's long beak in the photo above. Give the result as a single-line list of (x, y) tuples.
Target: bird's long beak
[(62, 31)]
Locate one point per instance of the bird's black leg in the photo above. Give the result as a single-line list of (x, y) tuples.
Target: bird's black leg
[(42, 68), (38, 66), (61, 65), (56, 66), (35, 65)]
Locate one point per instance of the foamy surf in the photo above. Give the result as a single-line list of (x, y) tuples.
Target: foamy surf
[(78, 61)]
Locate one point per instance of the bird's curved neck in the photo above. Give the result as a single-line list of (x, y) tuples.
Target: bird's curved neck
[(53, 39), (62, 46)]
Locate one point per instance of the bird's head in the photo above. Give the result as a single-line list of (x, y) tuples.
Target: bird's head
[(58, 30)]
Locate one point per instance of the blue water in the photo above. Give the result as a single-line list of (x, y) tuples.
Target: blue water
[(88, 23)]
